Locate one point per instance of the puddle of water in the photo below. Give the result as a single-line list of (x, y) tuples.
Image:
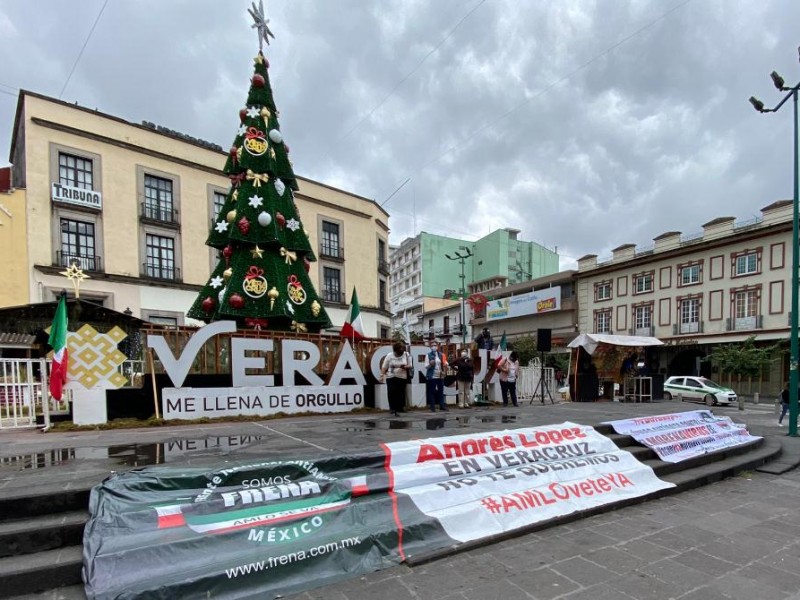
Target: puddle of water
[(131, 455)]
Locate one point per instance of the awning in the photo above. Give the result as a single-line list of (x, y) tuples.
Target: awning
[(16, 340), (590, 341)]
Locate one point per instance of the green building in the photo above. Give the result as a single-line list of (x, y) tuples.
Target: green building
[(422, 278)]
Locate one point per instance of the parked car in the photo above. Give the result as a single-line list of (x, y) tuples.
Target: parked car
[(698, 389)]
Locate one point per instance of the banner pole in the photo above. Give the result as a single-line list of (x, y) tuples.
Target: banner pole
[(153, 380)]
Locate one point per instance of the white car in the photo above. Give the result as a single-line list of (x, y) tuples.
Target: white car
[(698, 389)]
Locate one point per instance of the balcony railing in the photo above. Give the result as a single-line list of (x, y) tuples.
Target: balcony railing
[(332, 295), (160, 271), (86, 263), (158, 213), (383, 267), (331, 251)]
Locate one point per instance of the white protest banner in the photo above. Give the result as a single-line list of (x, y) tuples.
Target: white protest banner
[(484, 484), (679, 436)]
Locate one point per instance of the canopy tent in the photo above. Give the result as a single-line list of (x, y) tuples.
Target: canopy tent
[(590, 341)]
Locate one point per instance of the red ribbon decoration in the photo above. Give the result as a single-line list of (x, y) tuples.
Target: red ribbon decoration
[(293, 281), (256, 323), (254, 272), (252, 132), (237, 179)]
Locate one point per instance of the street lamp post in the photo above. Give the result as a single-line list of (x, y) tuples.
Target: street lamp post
[(793, 358), (461, 258)]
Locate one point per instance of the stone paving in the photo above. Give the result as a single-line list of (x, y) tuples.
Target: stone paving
[(739, 538)]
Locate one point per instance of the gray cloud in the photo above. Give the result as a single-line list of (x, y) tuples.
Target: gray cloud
[(586, 125)]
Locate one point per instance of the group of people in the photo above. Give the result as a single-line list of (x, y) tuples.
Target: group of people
[(397, 370)]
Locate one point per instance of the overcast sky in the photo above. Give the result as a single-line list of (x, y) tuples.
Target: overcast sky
[(585, 124)]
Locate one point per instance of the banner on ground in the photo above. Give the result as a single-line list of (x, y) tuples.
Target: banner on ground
[(282, 526), (680, 436)]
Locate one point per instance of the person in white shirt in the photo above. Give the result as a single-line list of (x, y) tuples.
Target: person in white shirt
[(395, 372), (508, 378)]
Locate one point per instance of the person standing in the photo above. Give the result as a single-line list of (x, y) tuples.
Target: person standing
[(465, 374), (434, 379), (508, 378), (395, 371), (484, 341)]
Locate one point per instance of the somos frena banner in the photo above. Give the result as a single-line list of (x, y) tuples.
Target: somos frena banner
[(255, 530), (680, 436)]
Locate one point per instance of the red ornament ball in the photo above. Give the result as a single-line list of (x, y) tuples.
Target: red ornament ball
[(209, 304), (243, 115), (285, 147), (244, 226), (258, 80), (227, 251), (236, 301), (233, 152), (280, 219), (307, 264)]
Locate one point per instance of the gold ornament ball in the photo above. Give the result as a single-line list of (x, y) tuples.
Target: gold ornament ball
[(231, 216), (226, 274)]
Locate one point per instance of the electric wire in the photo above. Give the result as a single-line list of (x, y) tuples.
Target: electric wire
[(80, 54), (547, 88), (410, 73)]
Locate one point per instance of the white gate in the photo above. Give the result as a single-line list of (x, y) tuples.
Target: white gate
[(532, 378), (23, 386)]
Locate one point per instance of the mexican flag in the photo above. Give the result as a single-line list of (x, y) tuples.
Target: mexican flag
[(353, 327), (501, 348), (58, 342)]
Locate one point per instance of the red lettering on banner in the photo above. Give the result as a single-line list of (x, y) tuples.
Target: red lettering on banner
[(428, 452), (468, 447)]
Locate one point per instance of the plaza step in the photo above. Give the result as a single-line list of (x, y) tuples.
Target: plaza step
[(41, 530)]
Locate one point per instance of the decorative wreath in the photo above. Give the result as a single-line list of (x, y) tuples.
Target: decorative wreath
[(477, 302)]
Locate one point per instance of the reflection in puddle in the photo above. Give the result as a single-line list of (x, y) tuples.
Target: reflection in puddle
[(140, 455), (132, 455)]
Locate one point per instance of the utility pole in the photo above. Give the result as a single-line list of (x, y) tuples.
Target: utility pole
[(461, 258), (794, 350)]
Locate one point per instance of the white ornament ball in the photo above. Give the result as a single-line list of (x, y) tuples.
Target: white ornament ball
[(279, 187), (264, 218), (275, 136), (221, 294)]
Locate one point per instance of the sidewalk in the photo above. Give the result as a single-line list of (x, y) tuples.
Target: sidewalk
[(738, 538)]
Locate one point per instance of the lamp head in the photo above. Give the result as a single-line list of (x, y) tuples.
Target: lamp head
[(778, 81), (448, 257), (757, 104)]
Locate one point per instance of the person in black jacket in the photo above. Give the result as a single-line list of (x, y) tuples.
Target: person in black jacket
[(465, 375)]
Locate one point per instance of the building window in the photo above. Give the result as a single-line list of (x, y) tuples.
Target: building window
[(160, 257), (602, 321), (643, 283), (690, 274), (219, 202), (747, 264), (330, 246), (746, 304), (75, 171), (642, 318), (78, 245), (158, 199), (331, 285), (602, 291), (382, 295), (690, 315)]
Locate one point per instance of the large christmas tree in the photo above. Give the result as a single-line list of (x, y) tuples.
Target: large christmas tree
[(261, 279)]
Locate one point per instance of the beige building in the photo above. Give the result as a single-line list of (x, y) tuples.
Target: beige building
[(724, 284), (132, 205)]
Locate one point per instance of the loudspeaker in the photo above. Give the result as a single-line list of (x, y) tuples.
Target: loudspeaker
[(543, 340)]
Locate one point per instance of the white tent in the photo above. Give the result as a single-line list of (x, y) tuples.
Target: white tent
[(590, 341)]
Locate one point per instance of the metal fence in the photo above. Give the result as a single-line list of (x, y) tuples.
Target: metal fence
[(534, 381)]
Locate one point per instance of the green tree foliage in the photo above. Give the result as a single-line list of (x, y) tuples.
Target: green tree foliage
[(744, 359), (525, 347)]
